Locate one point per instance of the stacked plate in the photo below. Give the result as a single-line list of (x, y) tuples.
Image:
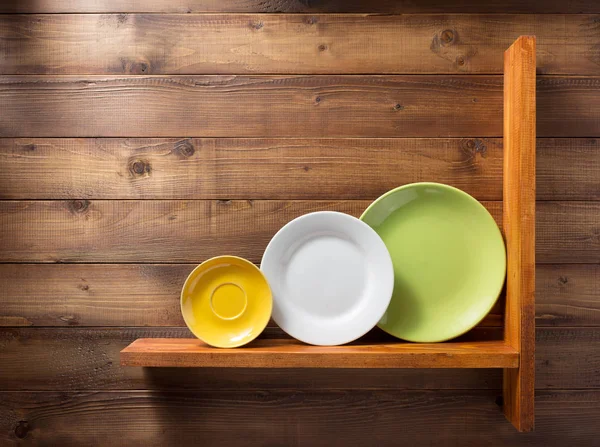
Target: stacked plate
[(425, 262)]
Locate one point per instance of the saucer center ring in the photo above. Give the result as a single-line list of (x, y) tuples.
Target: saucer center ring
[(228, 301)]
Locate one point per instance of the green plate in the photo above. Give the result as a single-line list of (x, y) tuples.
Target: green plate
[(449, 260)]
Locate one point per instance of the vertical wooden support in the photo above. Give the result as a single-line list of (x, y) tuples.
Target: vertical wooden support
[(519, 228)]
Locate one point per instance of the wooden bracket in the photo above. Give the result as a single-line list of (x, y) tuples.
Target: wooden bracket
[(519, 228)]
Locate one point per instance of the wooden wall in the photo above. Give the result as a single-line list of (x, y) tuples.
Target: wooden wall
[(138, 138)]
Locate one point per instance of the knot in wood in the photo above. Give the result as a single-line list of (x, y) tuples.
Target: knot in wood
[(122, 18), (472, 147), (563, 280), (22, 429), (135, 66), (185, 148), (138, 68), (139, 167), (311, 20), (322, 47), (447, 36), (79, 206), (460, 60)]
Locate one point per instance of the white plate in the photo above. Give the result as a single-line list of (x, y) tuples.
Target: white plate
[(331, 275)]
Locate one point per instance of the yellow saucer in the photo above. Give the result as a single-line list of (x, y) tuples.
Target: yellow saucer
[(226, 302)]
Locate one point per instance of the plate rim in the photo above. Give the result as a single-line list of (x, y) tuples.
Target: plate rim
[(355, 220), (223, 257), (498, 231)]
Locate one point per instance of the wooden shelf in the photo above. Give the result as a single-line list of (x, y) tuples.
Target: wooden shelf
[(515, 353), (289, 353)]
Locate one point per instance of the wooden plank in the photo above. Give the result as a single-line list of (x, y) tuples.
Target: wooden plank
[(293, 43), (300, 6), (305, 168), (291, 417), (251, 106), (567, 295), (561, 361), (232, 168), (289, 353), (64, 359), (90, 359), (567, 232), (567, 168), (285, 106), (150, 231), (160, 231), (242, 168), (519, 228), (93, 295)]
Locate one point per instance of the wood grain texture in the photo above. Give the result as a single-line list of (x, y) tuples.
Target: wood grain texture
[(289, 353), (176, 231), (518, 220), (286, 106), (151, 231), (305, 168), (93, 295), (567, 168), (65, 386), (567, 295), (88, 358), (302, 418), (300, 6), (294, 43), (575, 229), (232, 168), (251, 106)]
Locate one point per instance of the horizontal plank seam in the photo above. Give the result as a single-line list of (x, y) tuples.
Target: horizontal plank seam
[(254, 199), (163, 391), (251, 390), (319, 200), (316, 73), (363, 14), (282, 138), (166, 328), (307, 14), (199, 261), (242, 137), (194, 263), (65, 327), (205, 390), (116, 76), (242, 199)]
